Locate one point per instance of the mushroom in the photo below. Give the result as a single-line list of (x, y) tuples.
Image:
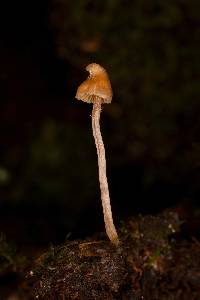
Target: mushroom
[(96, 89)]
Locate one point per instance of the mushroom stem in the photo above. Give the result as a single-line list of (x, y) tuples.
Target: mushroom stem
[(105, 198)]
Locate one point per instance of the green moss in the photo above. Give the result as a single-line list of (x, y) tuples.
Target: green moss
[(147, 263)]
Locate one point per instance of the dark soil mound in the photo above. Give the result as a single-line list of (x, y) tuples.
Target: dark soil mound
[(152, 262)]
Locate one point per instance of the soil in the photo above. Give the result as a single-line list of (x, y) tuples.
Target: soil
[(154, 261)]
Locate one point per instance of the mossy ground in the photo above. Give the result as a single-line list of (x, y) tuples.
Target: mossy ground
[(152, 262)]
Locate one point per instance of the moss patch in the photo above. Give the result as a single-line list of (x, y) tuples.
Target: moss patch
[(150, 263)]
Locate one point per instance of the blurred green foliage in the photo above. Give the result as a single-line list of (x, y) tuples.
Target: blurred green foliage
[(10, 260), (60, 167), (55, 173), (151, 51)]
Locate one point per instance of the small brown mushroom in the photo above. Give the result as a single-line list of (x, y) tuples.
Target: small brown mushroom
[(97, 89)]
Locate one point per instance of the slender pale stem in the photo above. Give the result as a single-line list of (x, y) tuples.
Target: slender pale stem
[(105, 198)]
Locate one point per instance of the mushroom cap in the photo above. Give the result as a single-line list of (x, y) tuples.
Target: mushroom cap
[(96, 87)]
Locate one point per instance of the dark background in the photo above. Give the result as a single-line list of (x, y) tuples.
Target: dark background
[(48, 165)]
